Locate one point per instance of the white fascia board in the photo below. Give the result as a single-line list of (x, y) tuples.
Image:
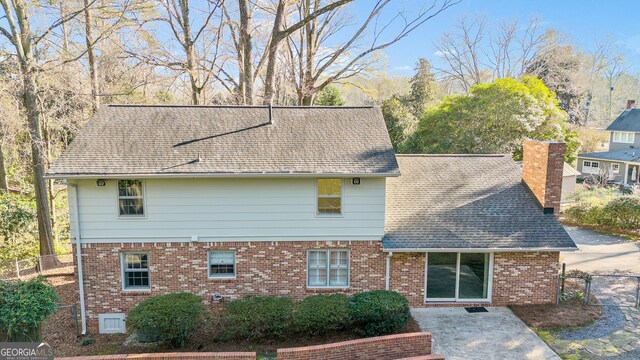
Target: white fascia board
[(479, 250), (217, 175)]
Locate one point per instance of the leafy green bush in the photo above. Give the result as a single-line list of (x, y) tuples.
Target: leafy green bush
[(254, 317), (379, 312), (23, 307), (321, 314), (603, 207), (170, 318)]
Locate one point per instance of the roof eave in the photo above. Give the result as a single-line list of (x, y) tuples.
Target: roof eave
[(521, 249), (214, 175)]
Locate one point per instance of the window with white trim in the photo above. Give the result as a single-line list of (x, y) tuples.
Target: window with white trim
[(222, 264), (590, 167), (615, 168), (329, 196), (135, 271), (131, 198), (623, 137), (328, 268)]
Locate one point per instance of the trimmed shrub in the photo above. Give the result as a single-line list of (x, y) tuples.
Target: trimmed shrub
[(379, 312), (600, 208), (23, 307), (321, 314), (622, 213), (169, 318), (255, 317)]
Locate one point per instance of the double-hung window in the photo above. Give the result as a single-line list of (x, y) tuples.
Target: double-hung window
[(135, 271), (328, 268), (131, 198), (615, 168), (623, 137), (329, 196), (222, 264)]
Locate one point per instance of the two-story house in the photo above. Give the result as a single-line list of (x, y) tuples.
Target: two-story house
[(621, 163), (227, 201)]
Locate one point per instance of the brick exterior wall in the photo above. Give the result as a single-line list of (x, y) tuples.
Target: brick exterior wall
[(518, 278), (381, 347), (407, 276), (279, 268), (525, 278), (542, 166), (171, 356), (262, 268)]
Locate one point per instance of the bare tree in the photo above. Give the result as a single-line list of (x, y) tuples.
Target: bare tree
[(473, 54), (4, 185), (24, 40), (91, 57)]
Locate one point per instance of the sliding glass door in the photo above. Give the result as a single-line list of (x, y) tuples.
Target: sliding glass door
[(461, 277)]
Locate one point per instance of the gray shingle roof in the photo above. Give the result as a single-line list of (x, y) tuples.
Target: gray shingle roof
[(166, 140), (628, 120), (615, 155), (569, 170), (466, 202)]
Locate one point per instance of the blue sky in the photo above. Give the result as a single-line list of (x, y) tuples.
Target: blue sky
[(583, 21)]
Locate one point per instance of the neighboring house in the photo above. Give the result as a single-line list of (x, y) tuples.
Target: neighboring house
[(569, 180), (292, 201), (621, 163)]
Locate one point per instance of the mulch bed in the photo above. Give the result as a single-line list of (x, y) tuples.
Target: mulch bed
[(59, 331)]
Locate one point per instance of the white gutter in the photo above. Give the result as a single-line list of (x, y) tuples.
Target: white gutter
[(217, 175), (76, 220), (479, 250), (387, 270)]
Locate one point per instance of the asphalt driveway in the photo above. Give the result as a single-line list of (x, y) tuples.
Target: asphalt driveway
[(602, 253), (494, 335)]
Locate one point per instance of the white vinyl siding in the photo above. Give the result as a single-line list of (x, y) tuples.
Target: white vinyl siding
[(272, 209), (624, 137), (222, 264), (328, 268)]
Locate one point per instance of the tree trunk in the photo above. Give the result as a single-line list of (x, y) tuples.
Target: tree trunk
[(37, 158), (246, 47), (4, 185), (93, 66), (272, 52)]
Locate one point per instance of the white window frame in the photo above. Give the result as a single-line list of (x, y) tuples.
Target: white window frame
[(222, 276), (328, 269), (457, 298), (124, 270), (589, 169), (624, 137), (318, 196), (143, 197), (615, 168)]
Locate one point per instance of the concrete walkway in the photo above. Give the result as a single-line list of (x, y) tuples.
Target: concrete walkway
[(497, 334), (602, 253)]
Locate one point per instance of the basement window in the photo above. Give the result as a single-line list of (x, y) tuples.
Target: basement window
[(329, 196), (131, 198), (135, 271), (222, 264)]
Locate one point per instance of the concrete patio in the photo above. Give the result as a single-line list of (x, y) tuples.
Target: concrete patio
[(497, 334)]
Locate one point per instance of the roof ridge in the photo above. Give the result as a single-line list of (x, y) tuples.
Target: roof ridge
[(238, 106), (451, 155)]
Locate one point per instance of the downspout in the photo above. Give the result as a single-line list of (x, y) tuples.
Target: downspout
[(387, 271), (76, 220)]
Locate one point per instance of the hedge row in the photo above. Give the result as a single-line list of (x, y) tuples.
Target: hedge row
[(369, 313), (622, 212), (172, 318)]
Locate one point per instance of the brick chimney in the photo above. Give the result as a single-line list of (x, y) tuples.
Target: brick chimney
[(542, 166), (631, 104)]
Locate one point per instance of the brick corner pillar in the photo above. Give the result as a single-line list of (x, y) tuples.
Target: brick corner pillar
[(542, 166)]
